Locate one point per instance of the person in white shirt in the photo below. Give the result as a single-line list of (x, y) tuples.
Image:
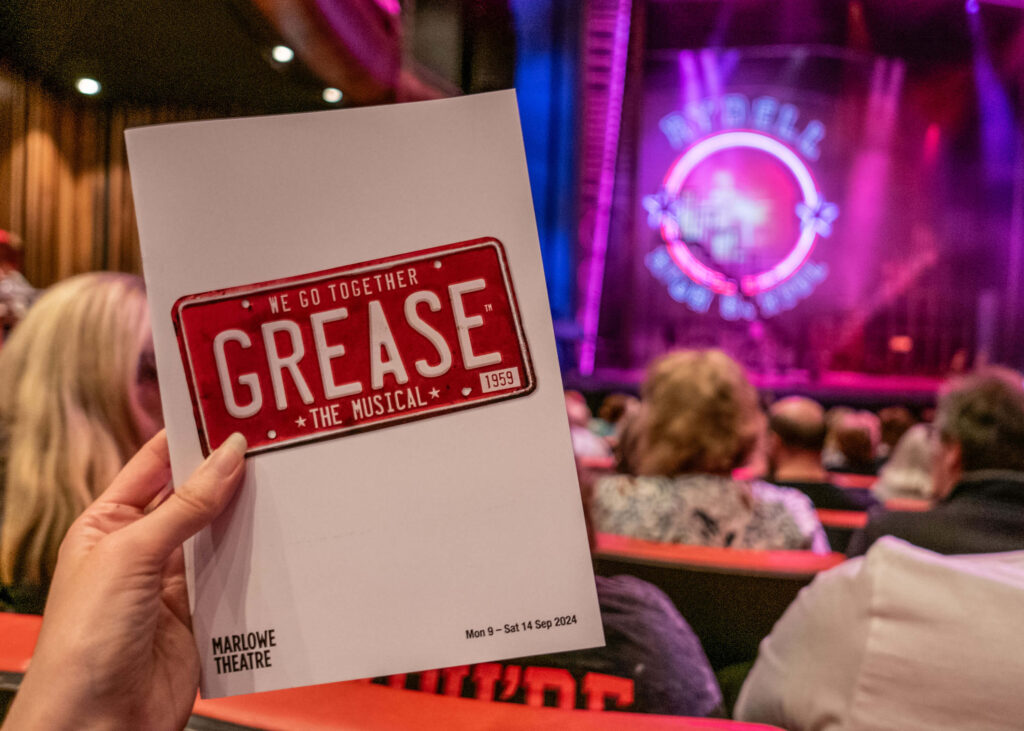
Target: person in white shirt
[(901, 638)]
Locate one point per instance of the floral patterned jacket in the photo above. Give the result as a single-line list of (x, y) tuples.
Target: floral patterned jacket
[(708, 510)]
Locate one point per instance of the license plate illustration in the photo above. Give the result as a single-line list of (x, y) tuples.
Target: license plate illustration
[(370, 345)]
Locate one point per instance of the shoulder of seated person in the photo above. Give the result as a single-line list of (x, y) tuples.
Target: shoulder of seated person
[(890, 550), (879, 515), (886, 553), (613, 481), (770, 489), (888, 547), (883, 522), (632, 587)]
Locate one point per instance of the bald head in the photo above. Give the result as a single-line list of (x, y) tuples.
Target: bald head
[(799, 423)]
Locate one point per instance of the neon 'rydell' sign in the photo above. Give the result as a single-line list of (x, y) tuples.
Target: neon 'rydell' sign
[(739, 213)]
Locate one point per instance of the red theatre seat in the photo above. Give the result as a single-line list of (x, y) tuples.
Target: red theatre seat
[(360, 705), (598, 464), (18, 633), (846, 479), (731, 597), (907, 504), (840, 525), (850, 519)]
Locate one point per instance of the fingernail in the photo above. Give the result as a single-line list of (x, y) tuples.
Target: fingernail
[(226, 458)]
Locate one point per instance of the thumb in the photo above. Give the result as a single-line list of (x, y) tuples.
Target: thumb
[(193, 505)]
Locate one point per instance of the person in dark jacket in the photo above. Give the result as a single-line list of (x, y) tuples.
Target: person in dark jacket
[(978, 474), (796, 438)]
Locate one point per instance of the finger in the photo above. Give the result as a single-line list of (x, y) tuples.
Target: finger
[(174, 593), (161, 496), (194, 505), (143, 477)]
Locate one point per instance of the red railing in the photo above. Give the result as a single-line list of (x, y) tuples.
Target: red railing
[(782, 563)]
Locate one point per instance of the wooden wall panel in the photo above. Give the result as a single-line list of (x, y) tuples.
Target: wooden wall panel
[(42, 251), (12, 152), (122, 251), (64, 181)]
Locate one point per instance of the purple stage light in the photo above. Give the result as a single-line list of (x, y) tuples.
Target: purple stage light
[(869, 178), (619, 26), (815, 214), (998, 126)]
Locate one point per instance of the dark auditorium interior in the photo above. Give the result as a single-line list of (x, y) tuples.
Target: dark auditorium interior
[(783, 247)]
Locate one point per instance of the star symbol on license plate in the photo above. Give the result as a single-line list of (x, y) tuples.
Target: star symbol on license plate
[(434, 393), (301, 421)]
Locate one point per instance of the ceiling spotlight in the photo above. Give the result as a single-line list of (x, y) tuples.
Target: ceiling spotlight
[(332, 95), (87, 86), (973, 7), (282, 54)]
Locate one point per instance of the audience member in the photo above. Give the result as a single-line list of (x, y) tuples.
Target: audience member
[(895, 421), (615, 409), (78, 397), (797, 436), (831, 456), (615, 406), (979, 473), (116, 648), (756, 465), (901, 639), (627, 446), (908, 471), (856, 437), (699, 421), (585, 443), (16, 294)]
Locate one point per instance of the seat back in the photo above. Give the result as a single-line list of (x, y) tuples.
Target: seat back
[(18, 634), (908, 504), (598, 464), (840, 525), (730, 597), (849, 479)]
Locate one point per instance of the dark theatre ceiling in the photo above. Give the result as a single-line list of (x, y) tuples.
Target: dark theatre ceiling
[(216, 53)]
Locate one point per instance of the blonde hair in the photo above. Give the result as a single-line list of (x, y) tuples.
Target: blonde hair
[(701, 415), (67, 412)]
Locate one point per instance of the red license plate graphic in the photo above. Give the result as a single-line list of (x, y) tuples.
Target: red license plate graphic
[(335, 352)]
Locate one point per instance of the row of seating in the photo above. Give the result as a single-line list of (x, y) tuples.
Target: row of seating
[(730, 597), (840, 525), (360, 705)]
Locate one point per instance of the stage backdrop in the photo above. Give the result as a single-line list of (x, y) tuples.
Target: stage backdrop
[(812, 208)]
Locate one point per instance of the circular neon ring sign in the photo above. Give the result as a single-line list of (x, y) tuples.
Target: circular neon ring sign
[(751, 284)]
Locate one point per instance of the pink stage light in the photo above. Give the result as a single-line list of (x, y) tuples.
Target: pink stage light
[(931, 143), (814, 218)]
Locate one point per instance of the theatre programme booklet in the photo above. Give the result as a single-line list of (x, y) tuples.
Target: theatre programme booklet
[(360, 293)]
